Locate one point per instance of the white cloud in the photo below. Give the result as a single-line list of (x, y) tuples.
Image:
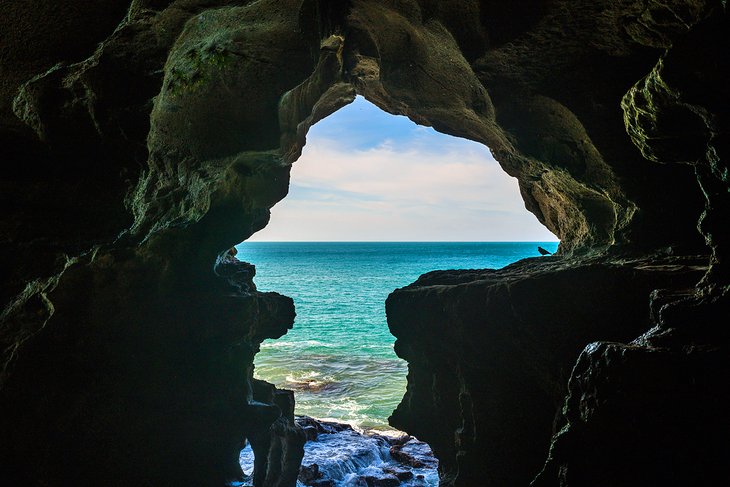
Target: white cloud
[(428, 187)]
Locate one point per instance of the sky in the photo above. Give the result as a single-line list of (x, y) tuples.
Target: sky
[(366, 175)]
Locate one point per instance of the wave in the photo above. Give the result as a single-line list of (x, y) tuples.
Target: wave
[(279, 344), (347, 457)]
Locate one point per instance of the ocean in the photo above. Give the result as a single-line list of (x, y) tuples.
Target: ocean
[(339, 356)]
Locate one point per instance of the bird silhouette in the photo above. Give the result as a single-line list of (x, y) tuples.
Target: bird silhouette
[(543, 251)]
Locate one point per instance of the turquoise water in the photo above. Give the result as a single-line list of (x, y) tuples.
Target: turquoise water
[(339, 356)]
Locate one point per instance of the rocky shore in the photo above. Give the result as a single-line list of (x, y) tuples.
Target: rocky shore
[(338, 455)]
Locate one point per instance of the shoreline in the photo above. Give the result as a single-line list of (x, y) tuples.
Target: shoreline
[(338, 454)]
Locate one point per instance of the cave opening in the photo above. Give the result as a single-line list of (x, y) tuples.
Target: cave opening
[(374, 202), (144, 141)]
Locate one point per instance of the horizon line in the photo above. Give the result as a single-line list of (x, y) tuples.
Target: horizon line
[(399, 241)]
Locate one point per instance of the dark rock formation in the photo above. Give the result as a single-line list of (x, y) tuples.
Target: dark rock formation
[(278, 448), (141, 139), (100, 389), (646, 413), (490, 352)]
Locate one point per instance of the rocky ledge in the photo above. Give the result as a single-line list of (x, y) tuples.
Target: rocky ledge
[(490, 353)]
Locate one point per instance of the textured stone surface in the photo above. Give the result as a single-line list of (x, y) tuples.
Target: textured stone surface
[(278, 448), (158, 405), (678, 113), (651, 412), (489, 353), (141, 139)]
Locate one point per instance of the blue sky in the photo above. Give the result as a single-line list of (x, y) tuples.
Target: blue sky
[(366, 175)]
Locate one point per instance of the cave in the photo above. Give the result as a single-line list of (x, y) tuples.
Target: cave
[(368, 201), (142, 139)]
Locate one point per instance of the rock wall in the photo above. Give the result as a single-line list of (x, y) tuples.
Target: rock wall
[(143, 138), (490, 353)]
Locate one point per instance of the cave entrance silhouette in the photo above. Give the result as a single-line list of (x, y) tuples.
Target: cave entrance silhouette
[(375, 201)]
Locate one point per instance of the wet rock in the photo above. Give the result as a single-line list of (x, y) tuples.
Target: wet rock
[(308, 474), (381, 481), (400, 474), (404, 457), (400, 440), (327, 427), (323, 483), (413, 453), (311, 433)]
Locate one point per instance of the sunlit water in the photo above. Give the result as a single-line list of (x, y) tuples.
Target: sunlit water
[(347, 457), (339, 356)]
